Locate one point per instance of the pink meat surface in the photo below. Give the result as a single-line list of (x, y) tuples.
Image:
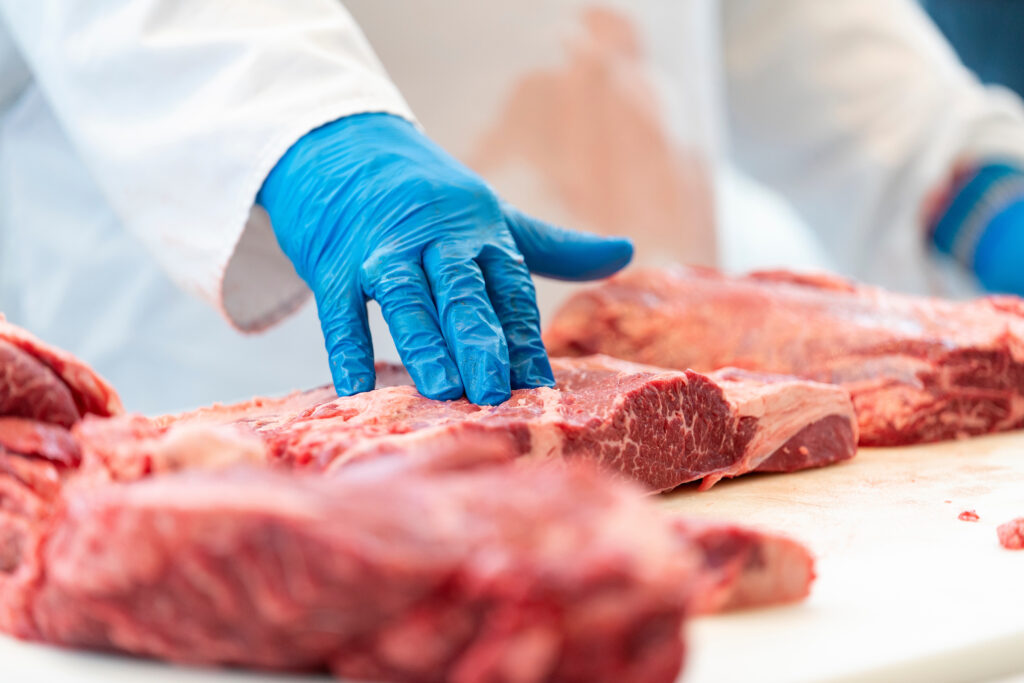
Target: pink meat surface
[(566, 575), (918, 369), (658, 427), (1011, 534)]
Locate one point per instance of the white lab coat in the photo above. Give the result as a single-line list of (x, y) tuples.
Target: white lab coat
[(133, 144)]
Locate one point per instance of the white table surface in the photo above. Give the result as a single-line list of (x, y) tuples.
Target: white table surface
[(906, 591)]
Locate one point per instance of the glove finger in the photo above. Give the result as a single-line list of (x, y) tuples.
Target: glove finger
[(471, 328), (347, 337), (404, 297), (512, 293), (566, 254)]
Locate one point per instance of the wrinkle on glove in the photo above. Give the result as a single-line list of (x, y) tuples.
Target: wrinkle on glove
[(367, 207)]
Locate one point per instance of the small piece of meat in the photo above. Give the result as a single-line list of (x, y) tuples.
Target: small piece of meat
[(742, 568), (1011, 534), (968, 516), (661, 428), (918, 369)]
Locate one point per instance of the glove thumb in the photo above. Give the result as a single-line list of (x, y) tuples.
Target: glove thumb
[(565, 254)]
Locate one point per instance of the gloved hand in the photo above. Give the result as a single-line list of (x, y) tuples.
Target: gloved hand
[(367, 207), (982, 226)]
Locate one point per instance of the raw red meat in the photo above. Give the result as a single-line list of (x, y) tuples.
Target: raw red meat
[(208, 539), (742, 568), (427, 576), (30, 389), (566, 575), (47, 384), (658, 427), (918, 369), (968, 516), (39, 439), (1011, 534)]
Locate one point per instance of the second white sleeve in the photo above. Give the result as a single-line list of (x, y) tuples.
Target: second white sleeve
[(855, 110)]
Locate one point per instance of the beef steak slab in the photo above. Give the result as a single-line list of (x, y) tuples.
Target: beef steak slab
[(918, 369), (428, 576), (661, 428), (391, 569)]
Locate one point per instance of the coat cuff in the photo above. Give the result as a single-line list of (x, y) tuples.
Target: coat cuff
[(258, 286), (976, 203)]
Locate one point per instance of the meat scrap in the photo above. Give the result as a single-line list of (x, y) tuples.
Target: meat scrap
[(968, 516), (741, 568), (918, 369), (1011, 534), (658, 427)]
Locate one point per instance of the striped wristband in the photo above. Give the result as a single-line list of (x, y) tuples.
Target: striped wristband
[(983, 227)]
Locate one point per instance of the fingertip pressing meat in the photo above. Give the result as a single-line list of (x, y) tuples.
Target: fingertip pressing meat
[(1011, 534), (918, 369), (658, 427)]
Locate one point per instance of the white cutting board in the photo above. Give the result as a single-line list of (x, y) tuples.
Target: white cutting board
[(906, 591)]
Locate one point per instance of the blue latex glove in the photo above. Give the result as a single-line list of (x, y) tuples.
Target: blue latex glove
[(983, 227), (367, 207)]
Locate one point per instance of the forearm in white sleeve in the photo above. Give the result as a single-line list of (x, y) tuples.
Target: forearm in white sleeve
[(855, 110), (180, 108)]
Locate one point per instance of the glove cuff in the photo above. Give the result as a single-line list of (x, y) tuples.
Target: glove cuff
[(976, 209)]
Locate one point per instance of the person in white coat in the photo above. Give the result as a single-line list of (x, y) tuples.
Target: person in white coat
[(152, 149)]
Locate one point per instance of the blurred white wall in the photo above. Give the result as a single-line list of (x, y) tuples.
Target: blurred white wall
[(758, 229)]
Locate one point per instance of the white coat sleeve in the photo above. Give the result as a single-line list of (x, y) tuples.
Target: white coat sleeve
[(180, 109), (855, 110)]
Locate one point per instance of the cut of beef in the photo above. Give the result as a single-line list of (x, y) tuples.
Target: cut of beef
[(660, 428), (233, 535), (428, 576), (918, 369)]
